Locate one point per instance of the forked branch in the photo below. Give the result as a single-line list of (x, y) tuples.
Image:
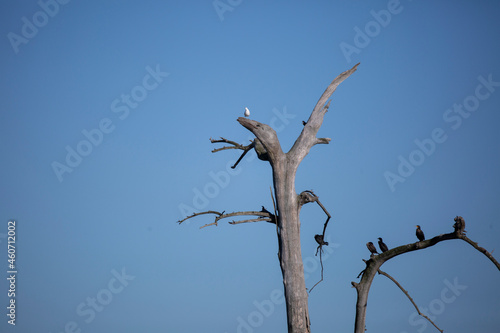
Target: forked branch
[(235, 145), (307, 137), (255, 143)]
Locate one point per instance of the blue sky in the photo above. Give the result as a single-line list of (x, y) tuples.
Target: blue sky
[(107, 113)]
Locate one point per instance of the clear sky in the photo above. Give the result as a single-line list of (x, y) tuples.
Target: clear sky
[(106, 115)]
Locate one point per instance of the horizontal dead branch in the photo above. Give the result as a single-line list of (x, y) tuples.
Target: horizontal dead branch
[(263, 216), (260, 219), (235, 145)]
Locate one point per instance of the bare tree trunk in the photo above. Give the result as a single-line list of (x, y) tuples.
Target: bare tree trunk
[(290, 250), (288, 207)]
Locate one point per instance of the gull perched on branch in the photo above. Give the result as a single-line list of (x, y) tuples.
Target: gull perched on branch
[(247, 112)]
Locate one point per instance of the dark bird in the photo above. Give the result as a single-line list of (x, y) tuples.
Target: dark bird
[(319, 239), (420, 234), (304, 123), (382, 245), (459, 225), (371, 247)]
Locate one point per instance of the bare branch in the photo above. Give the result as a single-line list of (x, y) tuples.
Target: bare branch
[(307, 137), (235, 145), (409, 297), (267, 219), (309, 196), (197, 214), (480, 249), (263, 215), (332, 87)]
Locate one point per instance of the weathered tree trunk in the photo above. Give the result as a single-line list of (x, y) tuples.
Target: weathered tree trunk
[(284, 168), (290, 250)]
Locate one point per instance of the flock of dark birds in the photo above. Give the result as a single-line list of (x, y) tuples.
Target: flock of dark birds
[(383, 247)]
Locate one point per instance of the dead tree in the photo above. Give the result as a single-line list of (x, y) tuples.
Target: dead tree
[(376, 261), (287, 202)]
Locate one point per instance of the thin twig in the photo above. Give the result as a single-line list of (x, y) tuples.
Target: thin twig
[(321, 262), (197, 214)]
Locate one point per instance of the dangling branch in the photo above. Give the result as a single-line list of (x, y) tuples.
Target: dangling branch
[(321, 262), (306, 197), (309, 196)]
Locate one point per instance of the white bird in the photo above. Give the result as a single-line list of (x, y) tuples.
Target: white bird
[(247, 112)]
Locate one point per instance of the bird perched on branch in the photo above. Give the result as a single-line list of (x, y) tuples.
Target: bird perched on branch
[(420, 234), (319, 239), (247, 112), (371, 247), (459, 225), (382, 245)]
